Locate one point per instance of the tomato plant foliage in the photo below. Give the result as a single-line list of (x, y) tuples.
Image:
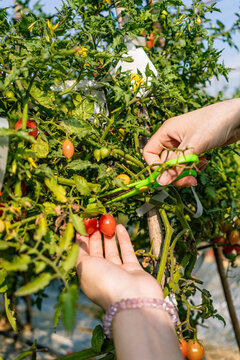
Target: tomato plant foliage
[(48, 76)]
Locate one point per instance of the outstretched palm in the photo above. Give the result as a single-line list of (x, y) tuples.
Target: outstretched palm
[(105, 277)]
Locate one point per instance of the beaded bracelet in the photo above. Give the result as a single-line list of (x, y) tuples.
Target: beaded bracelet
[(136, 304)]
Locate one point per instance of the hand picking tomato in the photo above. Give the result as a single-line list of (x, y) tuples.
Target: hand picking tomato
[(68, 149), (234, 236), (90, 225), (107, 225), (183, 346), (125, 178), (30, 124), (195, 350)]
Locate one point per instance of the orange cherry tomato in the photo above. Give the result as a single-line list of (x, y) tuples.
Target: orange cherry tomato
[(30, 124), (149, 42), (195, 350), (234, 237), (68, 149), (184, 347)]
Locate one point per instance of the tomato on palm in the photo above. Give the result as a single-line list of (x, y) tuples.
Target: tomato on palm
[(90, 225), (107, 225), (195, 350), (183, 346), (68, 149), (30, 124)]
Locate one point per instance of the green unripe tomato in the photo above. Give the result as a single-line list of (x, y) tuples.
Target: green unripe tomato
[(97, 154), (104, 152)]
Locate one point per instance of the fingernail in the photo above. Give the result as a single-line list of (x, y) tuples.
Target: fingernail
[(194, 182), (164, 179)]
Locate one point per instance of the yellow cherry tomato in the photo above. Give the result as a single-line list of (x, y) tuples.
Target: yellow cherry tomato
[(125, 178)]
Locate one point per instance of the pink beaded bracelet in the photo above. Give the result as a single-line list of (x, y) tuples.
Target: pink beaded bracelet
[(136, 304)]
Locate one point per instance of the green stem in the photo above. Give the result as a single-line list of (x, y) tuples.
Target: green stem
[(172, 250), (24, 221), (25, 113), (168, 234), (64, 181), (127, 157)]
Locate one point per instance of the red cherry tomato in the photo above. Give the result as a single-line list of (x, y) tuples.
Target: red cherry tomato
[(234, 237), (107, 225), (219, 240), (90, 225), (183, 346), (68, 149), (228, 249), (30, 124), (195, 350)]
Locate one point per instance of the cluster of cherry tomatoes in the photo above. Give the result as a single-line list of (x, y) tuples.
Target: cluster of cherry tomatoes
[(192, 350), (106, 224), (231, 240)]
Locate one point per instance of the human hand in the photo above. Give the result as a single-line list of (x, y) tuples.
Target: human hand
[(198, 131), (104, 277)]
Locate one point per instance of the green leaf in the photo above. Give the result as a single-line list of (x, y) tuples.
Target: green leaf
[(73, 126), (58, 190), (78, 224), (49, 208), (34, 286), (44, 97), (39, 266), (3, 245), (68, 302), (95, 209), (84, 110), (3, 275), (84, 187), (210, 192), (71, 259), (81, 165), (57, 314), (81, 355), (40, 148), (19, 263), (10, 313), (97, 338), (66, 239)]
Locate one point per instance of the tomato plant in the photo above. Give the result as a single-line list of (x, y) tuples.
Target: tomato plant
[(68, 149), (195, 350), (107, 225), (47, 79), (90, 225)]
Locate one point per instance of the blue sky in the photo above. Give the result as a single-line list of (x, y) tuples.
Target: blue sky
[(229, 55)]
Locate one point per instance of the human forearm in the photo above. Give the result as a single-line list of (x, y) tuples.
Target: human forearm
[(146, 334)]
